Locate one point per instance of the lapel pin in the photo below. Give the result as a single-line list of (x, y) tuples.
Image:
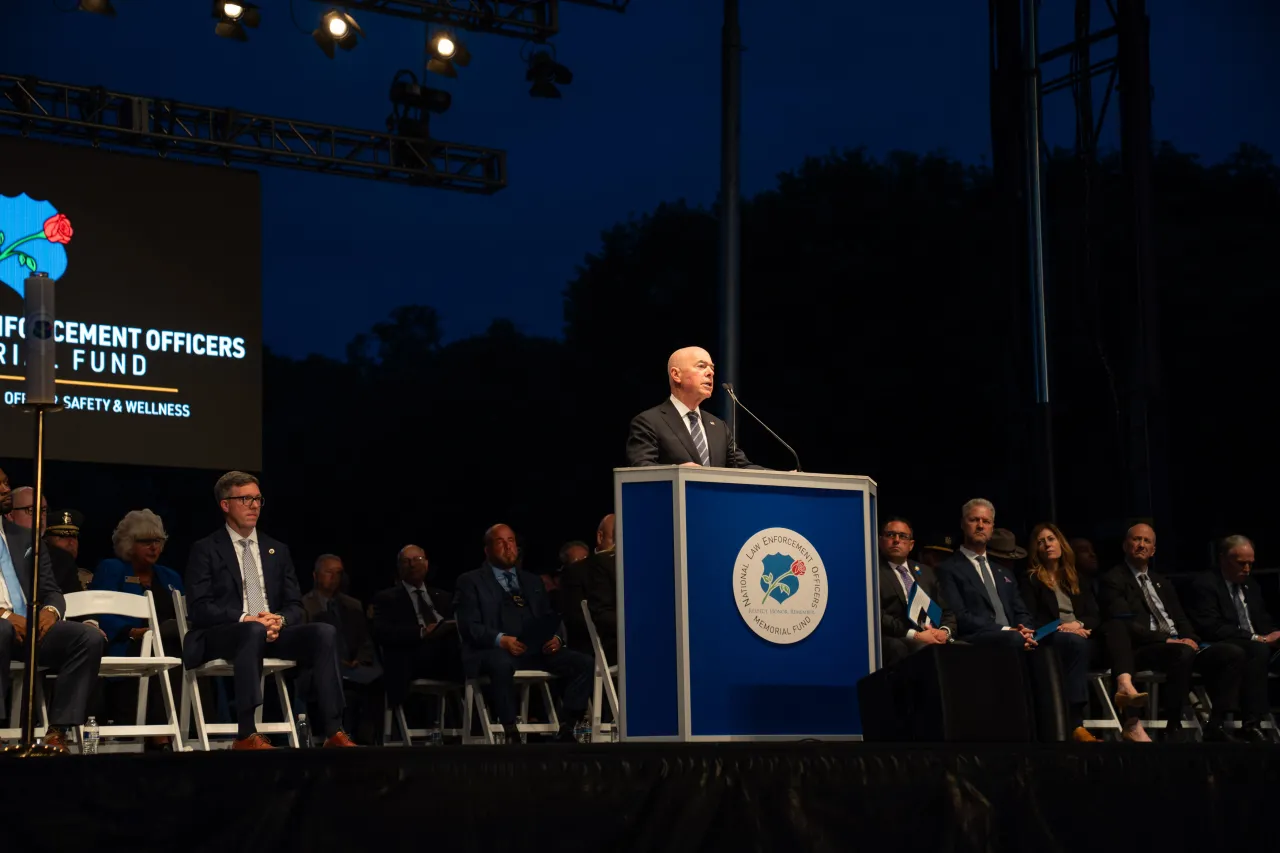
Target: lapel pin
[(271, 550)]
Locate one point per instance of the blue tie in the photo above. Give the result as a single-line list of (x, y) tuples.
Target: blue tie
[(11, 581), (509, 581)]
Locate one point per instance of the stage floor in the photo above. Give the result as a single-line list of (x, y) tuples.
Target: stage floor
[(706, 797)]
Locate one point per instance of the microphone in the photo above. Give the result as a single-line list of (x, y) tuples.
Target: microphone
[(736, 402)]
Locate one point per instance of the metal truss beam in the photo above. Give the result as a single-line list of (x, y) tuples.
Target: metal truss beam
[(532, 20), (65, 113)]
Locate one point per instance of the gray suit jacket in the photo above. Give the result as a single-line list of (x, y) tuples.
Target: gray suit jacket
[(19, 539)]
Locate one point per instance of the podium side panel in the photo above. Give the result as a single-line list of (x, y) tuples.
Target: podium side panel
[(743, 686), (648, 653)]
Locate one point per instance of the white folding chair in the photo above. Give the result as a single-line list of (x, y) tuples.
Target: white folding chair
[(152, 661), (274, 667), (442, 691), (473, 697), (17, 680), (603, 680)]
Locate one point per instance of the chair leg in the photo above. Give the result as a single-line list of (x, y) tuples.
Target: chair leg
[(192, 687), (552, 717), (407, 738), (167, 689), (597, 687), (441, 705), (287, 707)]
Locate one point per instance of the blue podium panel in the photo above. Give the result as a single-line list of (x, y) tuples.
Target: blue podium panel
[(746, 607)]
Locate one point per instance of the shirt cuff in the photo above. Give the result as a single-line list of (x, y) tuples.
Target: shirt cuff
[(497, 642), (911, 633), (243, 616)]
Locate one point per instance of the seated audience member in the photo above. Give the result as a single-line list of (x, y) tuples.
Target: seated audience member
[(1226, 607), (63, 535), (138, 541), (70, 650), (989, 610), (1163, 638), (22, 513), (499, 608), (357, 658), (1086, 564), (1052, 591), (570, 553), (1005, 549), (900, 634), (415, 626), (595, 581), (935, 550)]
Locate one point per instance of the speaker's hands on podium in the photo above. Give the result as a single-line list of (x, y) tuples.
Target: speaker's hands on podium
[(690, 465), (512, 645)]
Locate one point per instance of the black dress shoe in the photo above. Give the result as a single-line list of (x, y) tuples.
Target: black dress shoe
[(1217, 733), (512, 734), (1251, 732)]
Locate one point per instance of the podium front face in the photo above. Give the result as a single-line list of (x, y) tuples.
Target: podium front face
[(746, 603)]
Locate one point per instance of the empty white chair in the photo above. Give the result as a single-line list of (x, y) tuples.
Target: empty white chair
[(603, 680), (273, 667)]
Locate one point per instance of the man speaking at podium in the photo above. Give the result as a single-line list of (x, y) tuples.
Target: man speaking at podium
[(676, 432)]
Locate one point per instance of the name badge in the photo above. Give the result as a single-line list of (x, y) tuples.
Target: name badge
[(133, 579)]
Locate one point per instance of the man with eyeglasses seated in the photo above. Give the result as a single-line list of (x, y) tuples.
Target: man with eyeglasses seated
[(21, 514), (902, 633), (502, 611), (244, 605)]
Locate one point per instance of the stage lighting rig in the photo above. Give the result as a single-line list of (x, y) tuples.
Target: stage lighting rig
[(546, 74), (411, 104), (233, 17), (445, 51), (337, 28), (97, 7)]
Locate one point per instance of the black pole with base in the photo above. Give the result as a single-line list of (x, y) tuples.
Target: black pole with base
[(41, 397)]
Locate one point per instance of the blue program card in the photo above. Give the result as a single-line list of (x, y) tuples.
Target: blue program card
[(1045, 630)]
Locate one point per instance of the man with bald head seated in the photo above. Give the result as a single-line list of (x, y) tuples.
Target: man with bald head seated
[(413, 623), (677, 432)]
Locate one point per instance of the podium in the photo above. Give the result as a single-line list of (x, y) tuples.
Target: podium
[(747, 608)]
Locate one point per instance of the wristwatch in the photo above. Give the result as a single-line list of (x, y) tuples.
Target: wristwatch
[(6, 614), (52, 609)]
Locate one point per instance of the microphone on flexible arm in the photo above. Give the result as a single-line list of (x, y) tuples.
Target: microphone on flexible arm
[(736, 402)]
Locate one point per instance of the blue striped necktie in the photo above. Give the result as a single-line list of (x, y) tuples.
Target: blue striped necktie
[(17, 598), (699, 439)]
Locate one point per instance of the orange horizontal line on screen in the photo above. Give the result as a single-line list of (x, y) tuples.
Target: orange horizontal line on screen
[(100, 384)]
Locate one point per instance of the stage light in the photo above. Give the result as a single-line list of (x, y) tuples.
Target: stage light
[(445, 52), (545, 74), (97, 7), (232, 18), (410, 104), (337, 28)]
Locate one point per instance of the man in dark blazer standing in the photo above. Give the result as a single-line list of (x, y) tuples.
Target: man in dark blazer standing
[(499, 604), (1226, 608), (900, 635), (244, 605), (677, 432), (1164, 639), (72, 650), (415, 627)]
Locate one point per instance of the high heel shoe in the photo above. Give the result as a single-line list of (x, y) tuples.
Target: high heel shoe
[(1125, 701)]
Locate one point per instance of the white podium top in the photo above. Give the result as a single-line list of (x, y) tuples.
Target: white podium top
[(761, 476)]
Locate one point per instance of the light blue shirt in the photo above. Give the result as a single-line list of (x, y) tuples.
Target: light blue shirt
[(1155, 594), (505, 577)]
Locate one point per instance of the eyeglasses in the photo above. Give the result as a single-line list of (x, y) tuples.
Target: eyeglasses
[(29, 510), (414, 559), (153, 540), (249, 500), (894, 534)]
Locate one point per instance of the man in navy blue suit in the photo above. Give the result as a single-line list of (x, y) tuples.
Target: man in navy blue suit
[(497, 605), (989, 610), (244, 604)]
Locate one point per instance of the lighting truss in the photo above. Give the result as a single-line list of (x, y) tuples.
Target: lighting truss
[(529, 20), (66, 113)]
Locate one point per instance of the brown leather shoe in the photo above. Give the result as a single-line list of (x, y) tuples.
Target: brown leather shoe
[(1081, 735), (253, 741), (338, 740), (55, 741)]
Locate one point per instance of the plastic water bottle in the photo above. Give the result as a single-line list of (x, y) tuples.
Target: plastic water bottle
[(614, 735), (582, 731), (524, 738), (90, 734), (499, 736), (304, 732), (436, 738)]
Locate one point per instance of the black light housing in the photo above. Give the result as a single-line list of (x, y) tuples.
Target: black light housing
[(546, 74), (445, 52), (337, 28), (233, 17), (411, 104)]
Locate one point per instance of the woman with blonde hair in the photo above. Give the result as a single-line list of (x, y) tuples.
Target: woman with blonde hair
[(1052, 591)]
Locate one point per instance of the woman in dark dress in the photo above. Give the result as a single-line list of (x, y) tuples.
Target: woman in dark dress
[(1052, 590)]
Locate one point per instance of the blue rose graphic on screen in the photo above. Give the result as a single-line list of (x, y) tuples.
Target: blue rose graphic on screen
[(781, 578), (33, 238)]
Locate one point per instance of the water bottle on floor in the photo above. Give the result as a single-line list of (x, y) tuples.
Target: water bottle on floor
[(582, 731), (435, 738), (90, 734), (499, 736), (304, 732)]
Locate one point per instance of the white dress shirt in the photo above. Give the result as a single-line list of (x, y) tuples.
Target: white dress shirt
[(409, 588), (236, 539), (1155, 594), (684, 411)]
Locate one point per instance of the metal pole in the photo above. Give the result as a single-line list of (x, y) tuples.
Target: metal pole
[(33, 611), (730, 212), (1035, 242)]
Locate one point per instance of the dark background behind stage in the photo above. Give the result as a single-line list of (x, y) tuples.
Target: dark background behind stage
[(157, 245)]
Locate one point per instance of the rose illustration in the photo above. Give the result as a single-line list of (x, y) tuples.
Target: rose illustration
[(797, 568), (781, 578), (57, 229)]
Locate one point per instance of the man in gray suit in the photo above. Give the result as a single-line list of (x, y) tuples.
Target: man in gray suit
[(71, 650)]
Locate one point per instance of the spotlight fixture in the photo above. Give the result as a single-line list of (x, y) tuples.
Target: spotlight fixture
[(546, 74), (233, 17), (411, 102), (445, 52), (96, 7), (337, 27)]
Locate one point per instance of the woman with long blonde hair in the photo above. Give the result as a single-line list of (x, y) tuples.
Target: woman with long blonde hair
[(1052, 591)]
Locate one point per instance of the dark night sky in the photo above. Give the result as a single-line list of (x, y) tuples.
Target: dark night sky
[(638, 126)]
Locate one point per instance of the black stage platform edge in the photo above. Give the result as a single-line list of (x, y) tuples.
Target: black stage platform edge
[(705, 797)]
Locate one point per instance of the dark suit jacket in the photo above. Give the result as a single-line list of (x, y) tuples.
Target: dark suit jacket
[(353, 624), (1043, 603), (1213, 612), (215, 590), (19, 539), (893, 601), (595, 581), (659, 436), (1122, 599), (962, 589), (479, 609), (115, 575), (396, 629)]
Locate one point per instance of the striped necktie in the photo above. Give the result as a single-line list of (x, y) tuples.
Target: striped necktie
[(699, 439)]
